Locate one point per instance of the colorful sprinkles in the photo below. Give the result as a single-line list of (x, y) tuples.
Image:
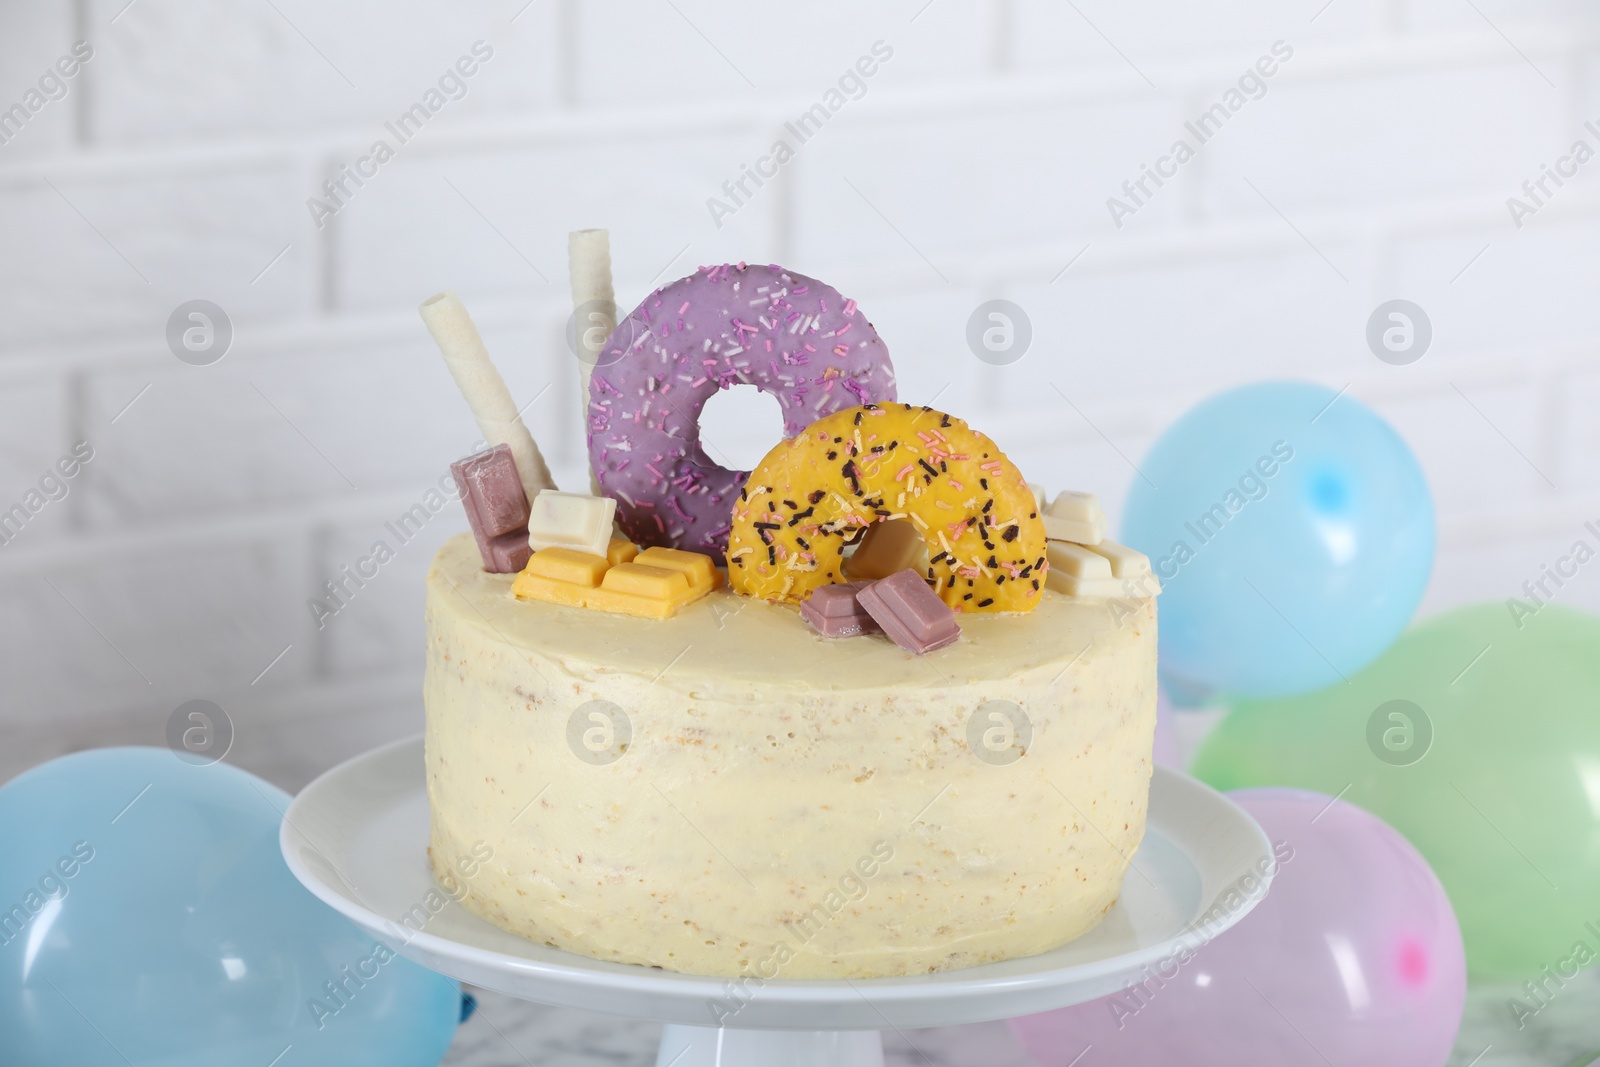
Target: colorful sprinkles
[(882, 462), (790, 336)]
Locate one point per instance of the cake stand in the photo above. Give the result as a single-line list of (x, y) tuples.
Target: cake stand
[(356, 838)]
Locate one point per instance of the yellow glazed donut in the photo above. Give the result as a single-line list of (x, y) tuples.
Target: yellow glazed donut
[(814, 493)]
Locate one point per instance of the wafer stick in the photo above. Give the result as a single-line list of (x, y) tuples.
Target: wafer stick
[(594, 307), (485, 391)]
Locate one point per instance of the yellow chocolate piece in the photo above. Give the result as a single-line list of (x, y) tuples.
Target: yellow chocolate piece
[(695, 566), (654, 584), (568, 566), (813, 493)]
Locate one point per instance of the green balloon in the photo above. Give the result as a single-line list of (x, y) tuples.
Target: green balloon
[(1477, 736)]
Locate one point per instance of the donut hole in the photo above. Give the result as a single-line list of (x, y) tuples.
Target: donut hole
[(883, 548), (739, 426)]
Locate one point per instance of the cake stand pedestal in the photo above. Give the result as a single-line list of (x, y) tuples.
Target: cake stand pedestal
[(356, 837), (698, 1046)]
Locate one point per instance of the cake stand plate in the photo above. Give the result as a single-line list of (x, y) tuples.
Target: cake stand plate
[(356, 837)]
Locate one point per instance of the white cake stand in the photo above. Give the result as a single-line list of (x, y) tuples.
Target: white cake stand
[(356, 838)]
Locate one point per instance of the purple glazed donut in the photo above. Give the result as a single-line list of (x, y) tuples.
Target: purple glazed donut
[(790, 336)]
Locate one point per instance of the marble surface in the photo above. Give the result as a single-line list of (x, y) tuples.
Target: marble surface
[(509, 1033)]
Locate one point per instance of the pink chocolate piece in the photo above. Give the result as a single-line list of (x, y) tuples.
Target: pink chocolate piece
[(508, 553), (910, 613), (833, 611), (492, 491), (496, 507)]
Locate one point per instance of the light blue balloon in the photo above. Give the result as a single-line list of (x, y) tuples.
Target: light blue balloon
[(147, 917), (1293, 533)]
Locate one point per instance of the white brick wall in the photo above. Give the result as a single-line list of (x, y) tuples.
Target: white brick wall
[(981, 155)]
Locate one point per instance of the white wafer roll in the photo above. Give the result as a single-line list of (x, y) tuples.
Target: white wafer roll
[(594, 306), (485, 391)]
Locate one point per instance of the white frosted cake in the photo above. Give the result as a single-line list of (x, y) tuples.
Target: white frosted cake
[(783, 793), (871, 709)]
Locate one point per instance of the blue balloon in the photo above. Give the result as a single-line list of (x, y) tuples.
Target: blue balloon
[(147, 917), (1293, 533)]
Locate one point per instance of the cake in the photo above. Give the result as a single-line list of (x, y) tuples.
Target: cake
[(670, 760)]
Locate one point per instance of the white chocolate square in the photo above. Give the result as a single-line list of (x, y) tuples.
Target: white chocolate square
[(1112, 570), (1077, 561), (1125, 562), (571, 520), (1075, 517)]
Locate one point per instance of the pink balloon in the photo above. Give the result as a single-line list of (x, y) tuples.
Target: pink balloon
[(1354, 957)]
